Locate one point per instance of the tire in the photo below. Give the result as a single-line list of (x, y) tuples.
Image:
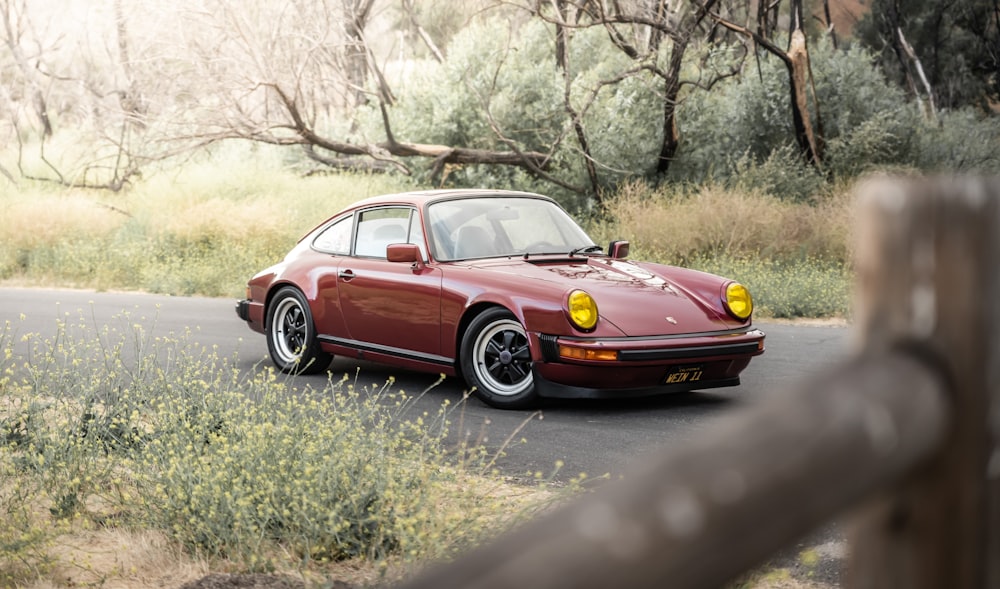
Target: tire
[(496, 361), (291, 334)]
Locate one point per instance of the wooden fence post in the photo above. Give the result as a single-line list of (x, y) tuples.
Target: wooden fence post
[(928, 268)]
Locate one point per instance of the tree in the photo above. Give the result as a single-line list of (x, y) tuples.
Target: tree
[(82, 95), (655, 36), (808, 135), (281, 73), (16, 30), (945, 52)]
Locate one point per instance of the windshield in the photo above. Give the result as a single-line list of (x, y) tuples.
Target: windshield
[(488, 227)]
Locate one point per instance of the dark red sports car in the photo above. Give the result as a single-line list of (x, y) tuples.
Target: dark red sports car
[(504, 289)]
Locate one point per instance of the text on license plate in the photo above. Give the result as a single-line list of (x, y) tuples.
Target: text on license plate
[(679, 374)]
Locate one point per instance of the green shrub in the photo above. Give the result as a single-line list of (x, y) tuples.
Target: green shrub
[(741, 133), (162, 433), (964, 141), (23, 541), (803, 288), (782, 174)]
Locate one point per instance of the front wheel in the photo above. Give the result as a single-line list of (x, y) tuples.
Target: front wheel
[(291, 334), (496, 361)]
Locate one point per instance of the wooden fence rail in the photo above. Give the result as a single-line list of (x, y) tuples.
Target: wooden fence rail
[(902, 440)]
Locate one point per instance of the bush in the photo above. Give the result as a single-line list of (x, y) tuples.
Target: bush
[(745, 125), (964, 141), (794, 256), (808, 287), (162, 434), (501, 82), (677, 225)]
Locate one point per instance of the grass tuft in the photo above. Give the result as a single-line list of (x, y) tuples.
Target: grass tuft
[(113, 428)]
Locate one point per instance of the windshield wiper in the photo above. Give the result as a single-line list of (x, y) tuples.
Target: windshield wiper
[(587, 249)]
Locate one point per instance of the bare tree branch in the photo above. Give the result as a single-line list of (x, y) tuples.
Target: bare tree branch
[(12, 38), (442, 153), (412, 14)]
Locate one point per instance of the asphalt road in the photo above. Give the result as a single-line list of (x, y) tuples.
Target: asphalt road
[(593, 437)]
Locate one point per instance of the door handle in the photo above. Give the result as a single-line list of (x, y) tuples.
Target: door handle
[(346, 274)]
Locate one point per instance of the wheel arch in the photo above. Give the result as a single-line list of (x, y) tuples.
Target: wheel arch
[(473, 311), (273, 290)]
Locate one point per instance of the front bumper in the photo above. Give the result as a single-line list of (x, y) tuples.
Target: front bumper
[(645, 366)]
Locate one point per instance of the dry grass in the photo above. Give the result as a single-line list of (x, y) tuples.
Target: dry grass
[(675, 225), (91, 555), (203, 230), (122, 559), (48, 217), (115, 558), (146, 559)]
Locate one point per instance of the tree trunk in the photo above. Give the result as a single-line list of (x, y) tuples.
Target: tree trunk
[(928, 106), (796, 59), (356, 14), (830, 29), (907, 56), (562, 60), (798, 68), (671, 135), (130, 98)]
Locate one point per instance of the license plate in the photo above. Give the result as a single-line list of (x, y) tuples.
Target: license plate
[(682, 374)]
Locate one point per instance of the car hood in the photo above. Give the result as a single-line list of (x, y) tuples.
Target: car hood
[(633, 299)]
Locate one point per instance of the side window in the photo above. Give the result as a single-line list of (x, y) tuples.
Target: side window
[(417, 234), (378, 228), (335, 239)]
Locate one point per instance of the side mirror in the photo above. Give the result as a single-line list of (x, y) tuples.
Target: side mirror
[(618, 249), (408, 253)]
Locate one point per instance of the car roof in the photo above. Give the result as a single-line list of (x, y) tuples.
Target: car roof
[(419, 198)]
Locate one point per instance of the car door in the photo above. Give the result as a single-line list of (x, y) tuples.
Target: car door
[(390, 307)]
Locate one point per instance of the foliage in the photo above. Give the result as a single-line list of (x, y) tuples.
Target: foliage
[(964, 141), (741, 134), (808, 287), (493, 82), (271, 72), (794, 256), (957, 42), (205, 234), (23, 542), (112, 425), (782, 174), (501, 85)]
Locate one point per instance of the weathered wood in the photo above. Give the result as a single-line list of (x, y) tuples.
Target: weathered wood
[(928, 262), (701, 514)]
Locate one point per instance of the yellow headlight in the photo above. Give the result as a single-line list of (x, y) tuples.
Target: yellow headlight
[(582, 309), (738, 301)]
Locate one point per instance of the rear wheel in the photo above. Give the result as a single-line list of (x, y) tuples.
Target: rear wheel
[(291, 334), (496, 361)]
